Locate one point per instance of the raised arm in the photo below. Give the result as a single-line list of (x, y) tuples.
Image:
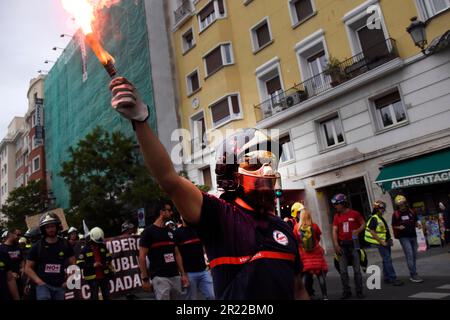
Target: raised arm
[(185, 195)]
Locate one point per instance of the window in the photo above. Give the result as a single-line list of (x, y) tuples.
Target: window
[(300, 10), (287, 149), (198, 132), (36, 142), (261, 35), (206, 174), (430, 8), (270, 85), (389, 110), (331, 132), (367, 31), (188, 40), (316, 66), (218, 58), (19, 181), (211, 12), (225, 110), (372, 43), (36, 164), (193, 83)]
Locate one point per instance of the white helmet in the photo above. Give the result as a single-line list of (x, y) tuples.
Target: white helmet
[(72, 229), (97, 235)]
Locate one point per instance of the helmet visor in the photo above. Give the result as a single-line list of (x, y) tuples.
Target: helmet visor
[(258, 162)]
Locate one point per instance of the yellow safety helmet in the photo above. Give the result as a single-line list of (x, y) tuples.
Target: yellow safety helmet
[(399, 199), (296, 208)]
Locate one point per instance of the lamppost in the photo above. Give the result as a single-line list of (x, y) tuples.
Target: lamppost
[(417, 31)]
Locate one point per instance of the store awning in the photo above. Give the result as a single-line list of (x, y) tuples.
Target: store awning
[(430, 169)]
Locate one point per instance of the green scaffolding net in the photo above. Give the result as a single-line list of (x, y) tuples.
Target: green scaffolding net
[(77, 98)]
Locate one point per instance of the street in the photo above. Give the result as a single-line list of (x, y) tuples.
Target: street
[(433, 266)]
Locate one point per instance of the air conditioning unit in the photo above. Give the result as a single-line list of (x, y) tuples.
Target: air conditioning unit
[(296, 98)]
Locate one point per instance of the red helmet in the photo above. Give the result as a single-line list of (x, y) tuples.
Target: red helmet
[(248, 157)]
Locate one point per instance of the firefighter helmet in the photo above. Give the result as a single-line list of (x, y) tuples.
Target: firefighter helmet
[(72, 230), (127, 226), (399, 199), (248, 157), (49, 218), (378, 204), (339, 199), (296, 209), (97, 235)]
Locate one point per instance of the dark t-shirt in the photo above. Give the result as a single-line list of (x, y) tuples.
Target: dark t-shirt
[(15, 254), (161, 253), (373, 226), (191, 249), (252, 256), (51, 260), (5, 267), (408, 219)]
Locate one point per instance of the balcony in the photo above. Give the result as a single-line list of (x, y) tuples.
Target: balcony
[(346, 70), (183, 11)]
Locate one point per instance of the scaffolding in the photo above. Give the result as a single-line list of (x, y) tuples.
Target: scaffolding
[(77, 98)]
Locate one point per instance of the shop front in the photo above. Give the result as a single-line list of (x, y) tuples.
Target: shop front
[(425, 182)]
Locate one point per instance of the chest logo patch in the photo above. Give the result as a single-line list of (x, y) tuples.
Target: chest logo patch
[(280, 238), (170, 235), (52, 268)]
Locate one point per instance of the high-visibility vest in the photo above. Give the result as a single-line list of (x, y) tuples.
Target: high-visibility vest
[(380, 230)]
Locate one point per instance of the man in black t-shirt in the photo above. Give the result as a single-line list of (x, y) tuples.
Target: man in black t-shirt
[(11, 247), (404, 223), (166, 265), (47, 260), (192, 252), (8, 286), (253, 253)]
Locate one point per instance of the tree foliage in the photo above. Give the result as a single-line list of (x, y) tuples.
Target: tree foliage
[(107, 183), (23, 201)]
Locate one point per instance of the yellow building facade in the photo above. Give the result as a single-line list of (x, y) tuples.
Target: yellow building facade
[(198, 27)]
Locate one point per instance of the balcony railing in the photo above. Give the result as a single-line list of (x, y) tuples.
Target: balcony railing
[(346, 70), (183, 10)]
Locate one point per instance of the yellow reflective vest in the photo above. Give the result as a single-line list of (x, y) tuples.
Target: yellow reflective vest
[(380, 230)]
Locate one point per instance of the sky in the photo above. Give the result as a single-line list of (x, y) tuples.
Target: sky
[(29, 29)]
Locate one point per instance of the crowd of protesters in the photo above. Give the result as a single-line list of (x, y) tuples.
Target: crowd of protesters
[(172, 259), (251, 252)]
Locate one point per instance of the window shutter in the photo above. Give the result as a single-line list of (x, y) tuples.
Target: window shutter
[(263, 34), (214, 60), (273, 85), (207, 11), (220, 110), (303, 9), (387, 99)]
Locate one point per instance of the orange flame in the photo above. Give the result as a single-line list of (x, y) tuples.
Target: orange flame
[(101, 53), (83, 13)]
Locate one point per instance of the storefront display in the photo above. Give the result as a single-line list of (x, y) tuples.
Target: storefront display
[(433, 232)]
